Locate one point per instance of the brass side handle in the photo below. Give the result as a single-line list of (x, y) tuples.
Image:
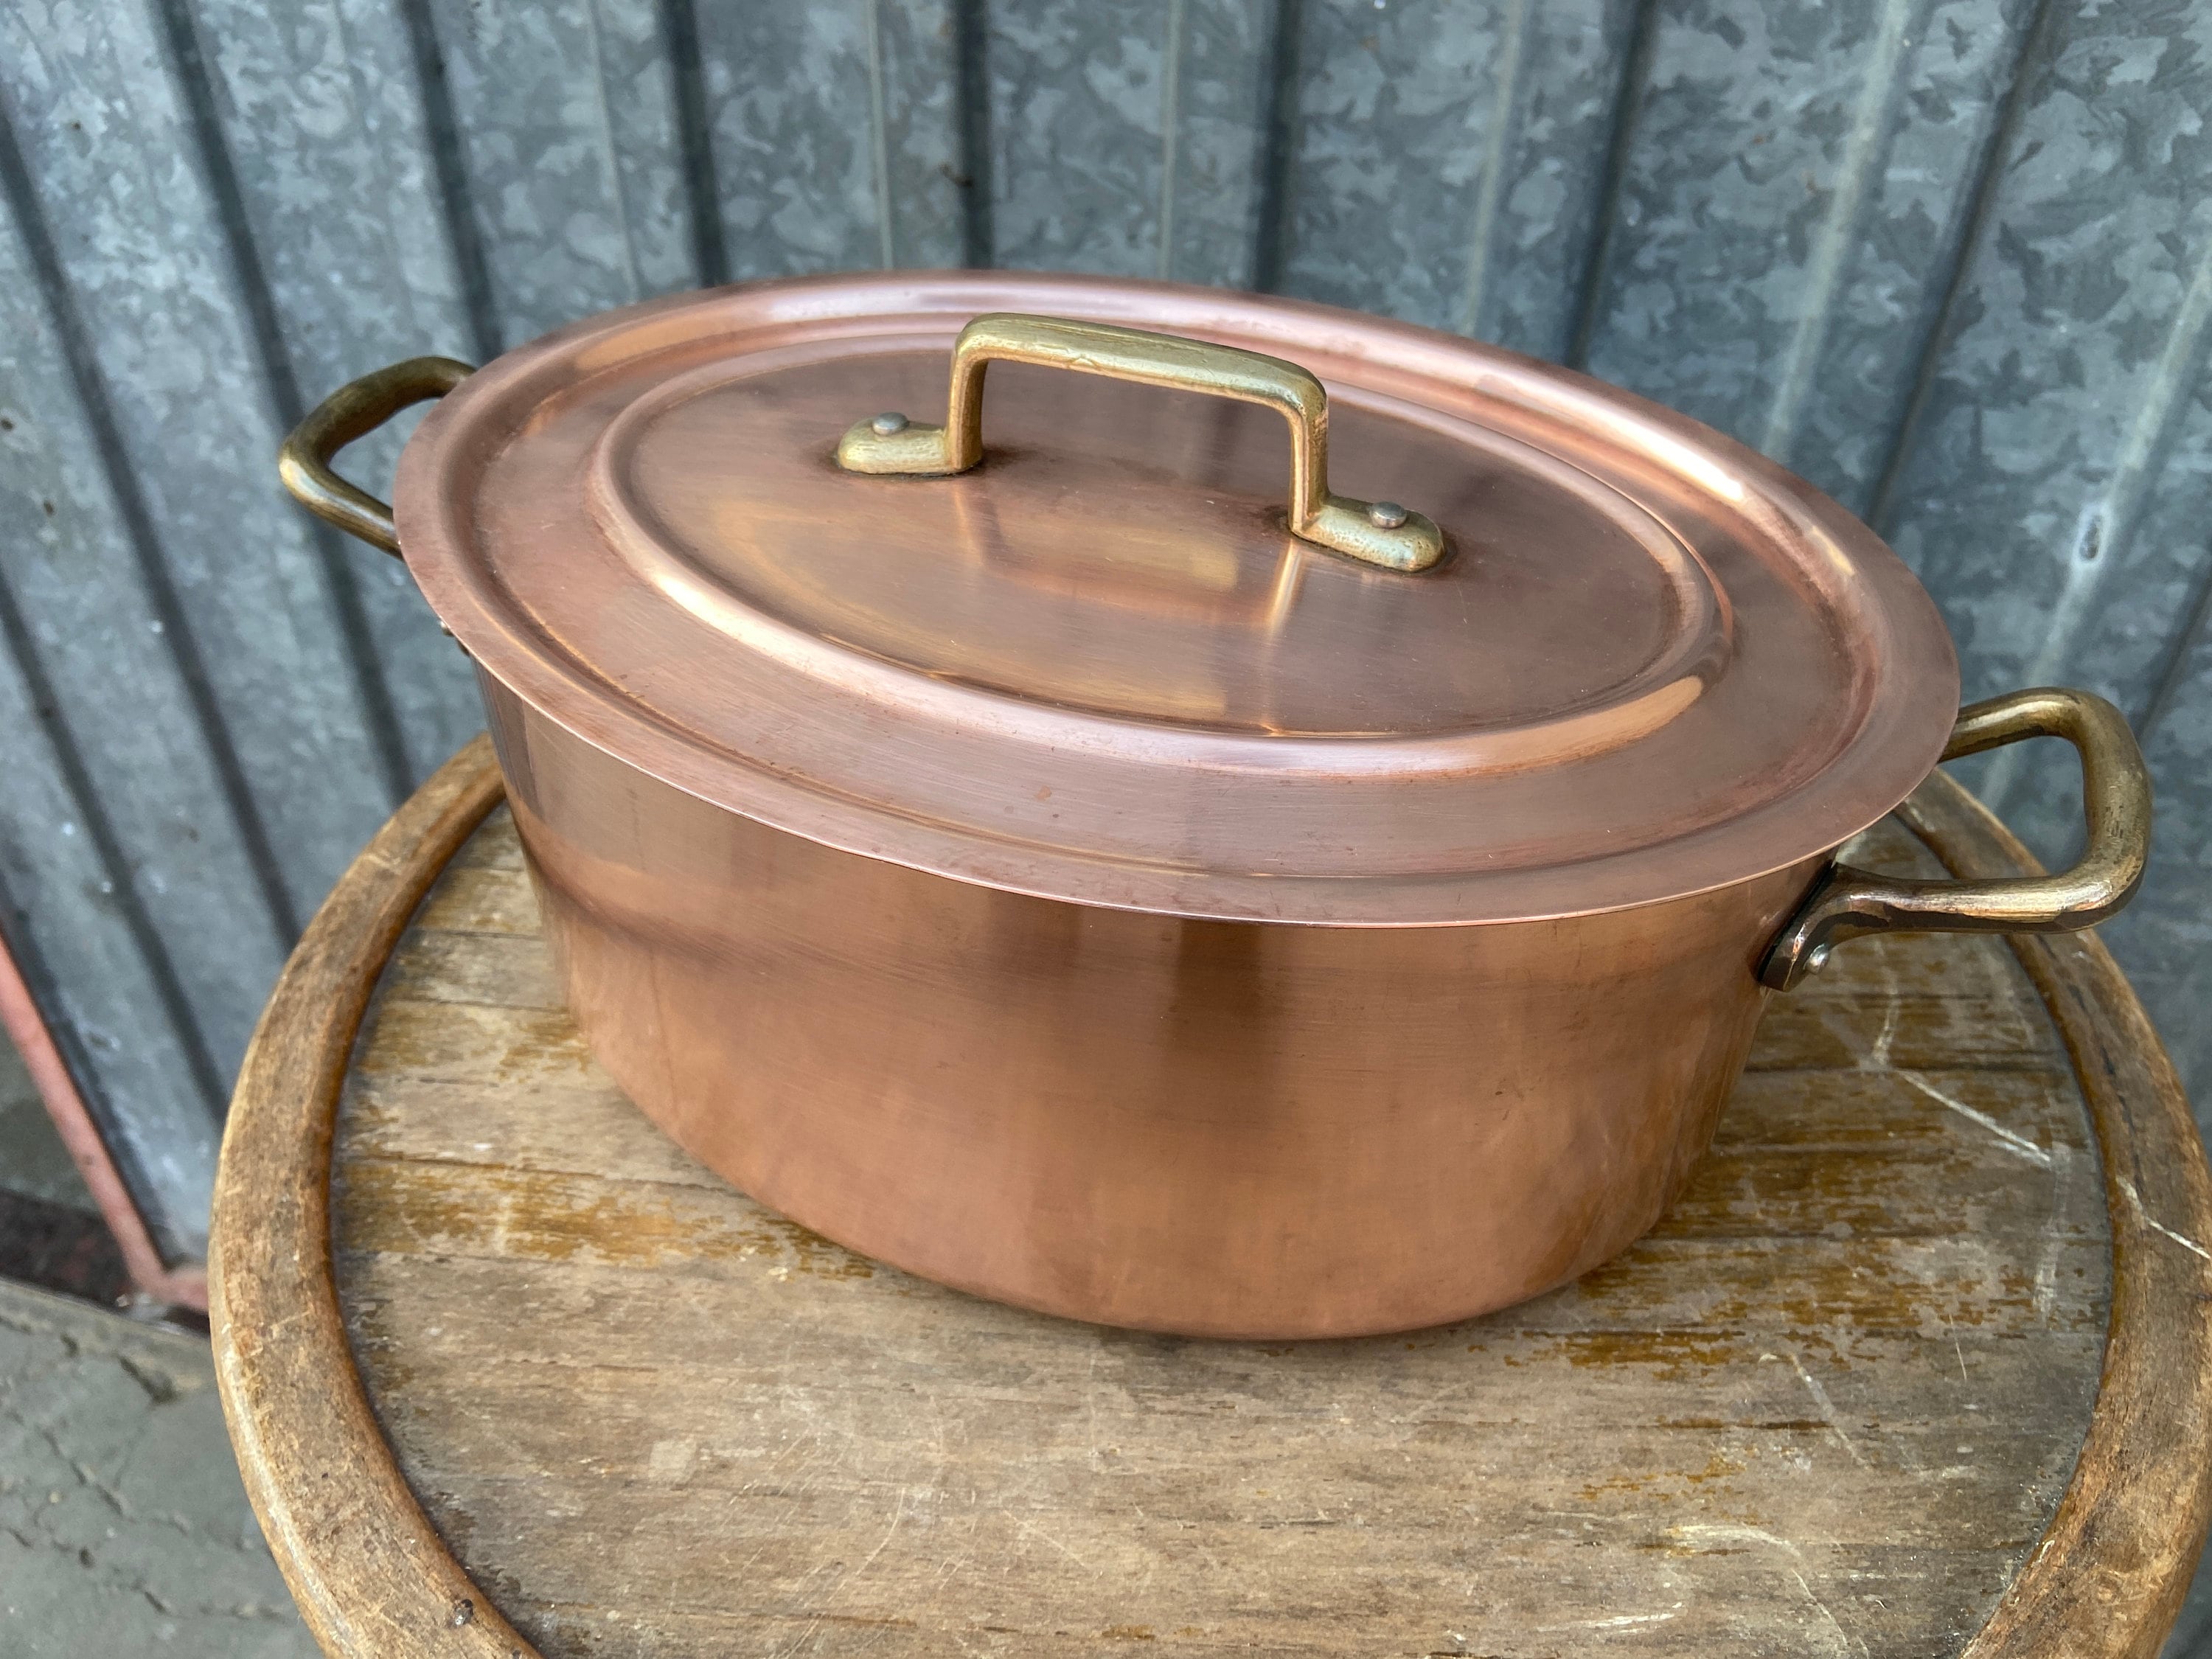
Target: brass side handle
[(1378, 532), (353, 411), (2116, 797)]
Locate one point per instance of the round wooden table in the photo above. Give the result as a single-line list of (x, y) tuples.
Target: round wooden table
[(1917, 1364)]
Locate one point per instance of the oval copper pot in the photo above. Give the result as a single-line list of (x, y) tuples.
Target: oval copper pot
[(1163, 1116)]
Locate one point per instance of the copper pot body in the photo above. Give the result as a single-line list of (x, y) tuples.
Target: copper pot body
[(1219, 1128)]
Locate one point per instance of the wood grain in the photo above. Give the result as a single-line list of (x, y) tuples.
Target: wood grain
[(2110, 1574), (369, 1572), (1833, 1404)]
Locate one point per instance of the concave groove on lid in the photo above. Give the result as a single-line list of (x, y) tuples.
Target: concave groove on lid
[(1097, 667)]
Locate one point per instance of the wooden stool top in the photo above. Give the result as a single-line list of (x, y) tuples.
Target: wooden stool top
[(557, 1389)]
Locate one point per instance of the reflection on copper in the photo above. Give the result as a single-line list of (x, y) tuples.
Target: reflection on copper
[(1283, 594)]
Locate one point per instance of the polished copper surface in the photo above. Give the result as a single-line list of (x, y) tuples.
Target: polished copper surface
[(1221, 1128), (918, 851), (1099, 668)]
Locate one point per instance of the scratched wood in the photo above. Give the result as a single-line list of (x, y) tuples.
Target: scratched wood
[(1829, 1406)]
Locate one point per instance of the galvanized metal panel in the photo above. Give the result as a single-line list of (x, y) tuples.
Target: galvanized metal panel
[(1838, 421), (823, 157), (2056, 478), (1127, 138), (320, 117), (124, 892), (2165, 939), (96, 634), (565, 121), (1451, 159), (916, 133), (1080, 115), (91, 972), (1742, 279), (94, 640), (108, 152), (1215, 137)]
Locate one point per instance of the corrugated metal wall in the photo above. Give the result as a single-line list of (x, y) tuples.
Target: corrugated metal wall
[(1952, 259)]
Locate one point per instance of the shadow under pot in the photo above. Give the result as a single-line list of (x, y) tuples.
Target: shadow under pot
[(1070, 853)]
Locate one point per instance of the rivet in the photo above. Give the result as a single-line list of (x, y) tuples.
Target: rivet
[(1385, 515), (892, 420), (1819, 959)]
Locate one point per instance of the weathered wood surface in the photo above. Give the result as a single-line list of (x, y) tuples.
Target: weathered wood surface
[(1829, 1405), (369, 1572), (1950, 259)]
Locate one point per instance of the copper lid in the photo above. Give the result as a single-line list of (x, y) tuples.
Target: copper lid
[(1099, 667)]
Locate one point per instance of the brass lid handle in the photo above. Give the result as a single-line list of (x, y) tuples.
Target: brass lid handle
[(1378, 532), (2115, 798)]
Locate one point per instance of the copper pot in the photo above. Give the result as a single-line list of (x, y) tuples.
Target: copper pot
[(1072, 853)]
